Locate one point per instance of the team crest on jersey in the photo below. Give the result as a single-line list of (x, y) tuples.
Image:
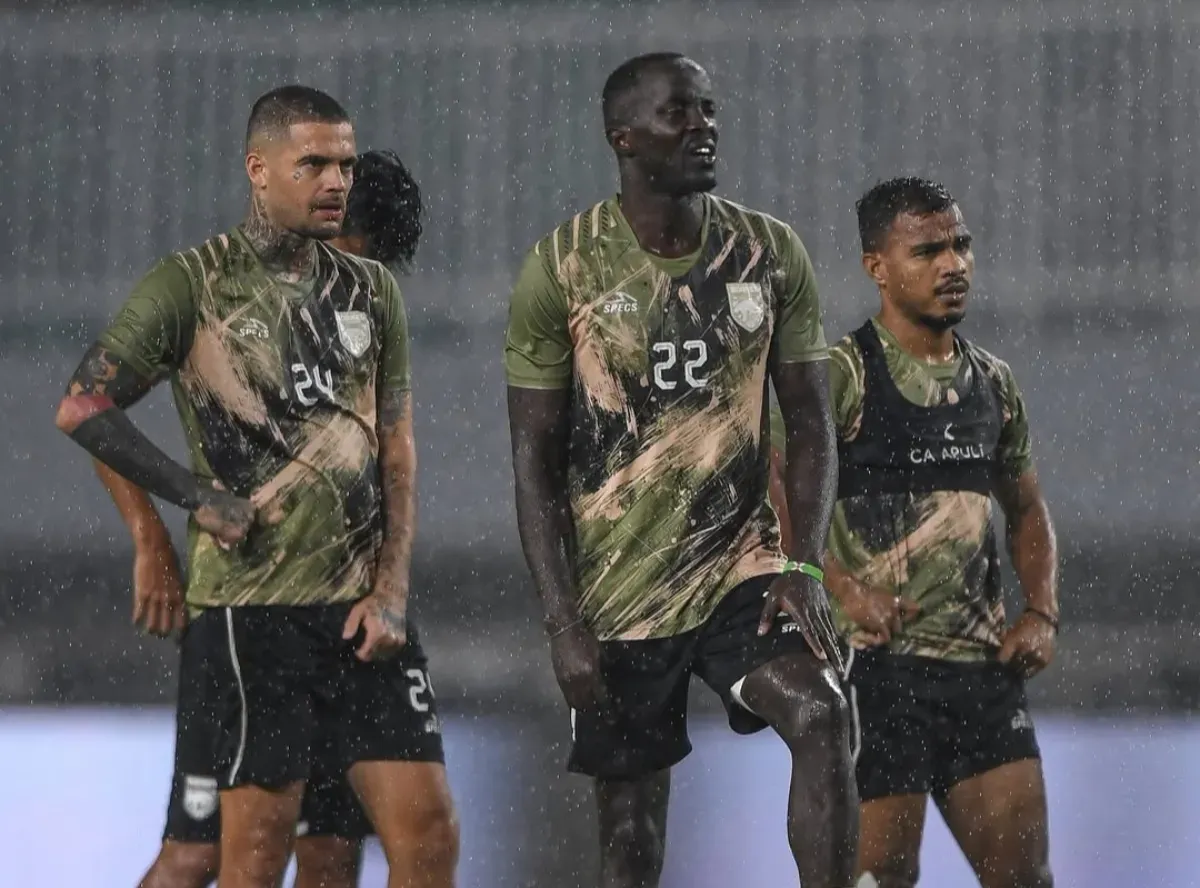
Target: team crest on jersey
[(199, 797), (354, 329), (746, 305)]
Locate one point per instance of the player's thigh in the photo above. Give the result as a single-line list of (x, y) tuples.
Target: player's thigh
[(772, 679), (410, 806), (257, 833), (889, 843), (999, 820), (643, 730), (327, 861)]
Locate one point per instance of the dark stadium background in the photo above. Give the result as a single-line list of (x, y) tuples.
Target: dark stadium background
[(1068, 130)]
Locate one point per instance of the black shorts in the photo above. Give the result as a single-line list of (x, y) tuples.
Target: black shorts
[(920, 725), (269, 695), (648, 682)]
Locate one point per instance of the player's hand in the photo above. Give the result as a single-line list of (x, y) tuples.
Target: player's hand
[(225, 516), (877, 615), (382, 617), (805, 600), (576, 656), (158, 606), (1028, 645)]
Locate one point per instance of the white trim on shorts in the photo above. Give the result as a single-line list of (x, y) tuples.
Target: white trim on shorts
[(245, 715)]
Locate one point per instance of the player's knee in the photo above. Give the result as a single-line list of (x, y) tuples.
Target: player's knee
[(816, 712), (428, 840), (258, 857), (635, 846), (327, 863), (183, 865), (1028, 875)]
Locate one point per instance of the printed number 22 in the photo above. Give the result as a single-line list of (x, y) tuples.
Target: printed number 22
[(420, 684), (305, 381), (696, 356)]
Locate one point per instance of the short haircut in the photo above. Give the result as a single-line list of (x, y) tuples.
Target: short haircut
[(622, 82), (384, 206), (879, 207), (277, 110)]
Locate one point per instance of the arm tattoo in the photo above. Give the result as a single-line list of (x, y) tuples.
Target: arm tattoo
[(394, 406), (101, 387), (101, 373), (280, 250)]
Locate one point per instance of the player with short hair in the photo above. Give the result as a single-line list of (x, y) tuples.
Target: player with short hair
[(641, 338), (930, 428), (290, 368), (383, 223)]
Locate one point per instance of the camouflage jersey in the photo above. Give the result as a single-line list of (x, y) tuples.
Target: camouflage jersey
[(936, 547), (668, 360), (275, 385)]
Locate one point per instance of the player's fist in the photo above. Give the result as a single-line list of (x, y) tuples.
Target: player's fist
[(576, 656), (225, 516), (383, 622), (876, 614), (1028, 645), (158, 605)]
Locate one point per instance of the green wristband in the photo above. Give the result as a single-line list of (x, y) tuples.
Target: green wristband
[(805, 568)]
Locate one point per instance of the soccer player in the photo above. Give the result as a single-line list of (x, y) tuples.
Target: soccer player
[(383, 223), (930, 428), (290, 368), (641, 337)]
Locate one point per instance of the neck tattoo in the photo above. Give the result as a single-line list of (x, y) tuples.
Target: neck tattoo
[(290, 255)]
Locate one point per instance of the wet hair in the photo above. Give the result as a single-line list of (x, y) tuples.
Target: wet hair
[(879, 207), (623, 82), (384, 206), (277, 110)]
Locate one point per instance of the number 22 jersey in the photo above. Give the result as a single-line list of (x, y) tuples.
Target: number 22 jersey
[(668, 362), (275, 384)]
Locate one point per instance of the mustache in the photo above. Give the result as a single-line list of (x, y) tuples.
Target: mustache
[(952, 285)]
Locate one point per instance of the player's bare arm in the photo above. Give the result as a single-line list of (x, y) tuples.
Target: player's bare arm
[(93, 414), (777, 490), (158, 600), (810, 479), (1029, 644), (538, 420), (382, 615)]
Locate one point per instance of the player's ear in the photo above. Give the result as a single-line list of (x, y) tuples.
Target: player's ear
[(618, 138), (874, 266), (256, 169)]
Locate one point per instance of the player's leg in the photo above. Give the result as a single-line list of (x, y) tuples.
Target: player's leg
[(332, 825), (190, 853), (632, 816), (889, 844), (390, 741), (629, 751), (996, 802), (263, 667), (775, 680), (999, 820), (183, 865), (327, 862)]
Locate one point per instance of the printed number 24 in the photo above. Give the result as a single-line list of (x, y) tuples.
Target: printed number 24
[(305, 380), (695, 356)]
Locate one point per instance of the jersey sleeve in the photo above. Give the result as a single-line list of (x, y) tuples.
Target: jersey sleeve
[(537, 344), (152, 332), (799, 333), (846, 393), (395, 369), (1015, 452)]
